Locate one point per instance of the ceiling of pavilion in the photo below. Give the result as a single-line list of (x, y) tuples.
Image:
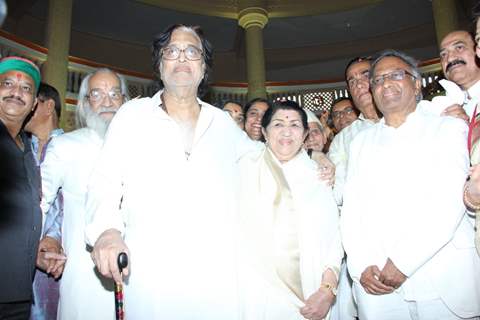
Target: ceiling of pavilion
[(320, 30)]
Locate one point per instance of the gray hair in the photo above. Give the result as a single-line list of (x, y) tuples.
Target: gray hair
[(408, 60), (82, 101)]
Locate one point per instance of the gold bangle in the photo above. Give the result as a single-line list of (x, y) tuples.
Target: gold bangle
[(467, 201), (330, 287)]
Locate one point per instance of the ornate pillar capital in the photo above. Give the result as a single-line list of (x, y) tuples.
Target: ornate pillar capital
[(253, 17)]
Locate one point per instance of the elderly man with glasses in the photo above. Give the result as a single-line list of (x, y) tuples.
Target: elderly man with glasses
[(409, 244), (68, 163), (164, 191)]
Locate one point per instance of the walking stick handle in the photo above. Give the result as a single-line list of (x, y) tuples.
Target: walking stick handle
[(122, 261)]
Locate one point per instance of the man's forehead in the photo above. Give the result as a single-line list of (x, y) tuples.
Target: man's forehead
[(313, 125), (341, 105), (391, 63), (17, 75), (104, 79), (185, 34), (456, 37), (358, 68)]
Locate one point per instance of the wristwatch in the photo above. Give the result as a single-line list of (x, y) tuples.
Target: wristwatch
[(329, 287)]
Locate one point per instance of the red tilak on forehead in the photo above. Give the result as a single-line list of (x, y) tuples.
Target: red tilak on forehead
[(19, 75)]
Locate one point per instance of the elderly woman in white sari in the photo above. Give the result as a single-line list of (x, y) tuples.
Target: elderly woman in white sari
[(289, 220)]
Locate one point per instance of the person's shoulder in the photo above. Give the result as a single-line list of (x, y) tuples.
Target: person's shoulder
[(69, 143), (252, 156), (367, 134), (216, 112), (138, 104), (75, 135), (307, 162), (367, 129), (443, 122)]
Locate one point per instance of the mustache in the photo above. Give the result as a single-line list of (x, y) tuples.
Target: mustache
[(14, 98), (106, 110), (454, 63)]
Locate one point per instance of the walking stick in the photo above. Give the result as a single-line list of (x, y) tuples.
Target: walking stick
[(122, 262)]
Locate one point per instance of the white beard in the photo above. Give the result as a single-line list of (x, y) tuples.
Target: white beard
[(96, 122)]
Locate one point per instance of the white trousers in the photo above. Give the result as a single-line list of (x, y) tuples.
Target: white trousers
[(393, 307), (344, 307)]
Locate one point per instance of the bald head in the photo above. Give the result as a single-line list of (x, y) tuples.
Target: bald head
[(457, 57)]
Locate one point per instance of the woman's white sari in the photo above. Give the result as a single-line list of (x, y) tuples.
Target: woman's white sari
[(289, 234)]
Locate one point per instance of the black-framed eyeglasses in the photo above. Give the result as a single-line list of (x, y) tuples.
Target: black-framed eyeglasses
[(341, 113), (97, 95), (397, 75), (191, 53)]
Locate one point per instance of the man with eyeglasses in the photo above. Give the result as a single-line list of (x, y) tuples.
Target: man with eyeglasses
[(343, 113), (356, 77), (405, 232), (68, 164), (164, 192)]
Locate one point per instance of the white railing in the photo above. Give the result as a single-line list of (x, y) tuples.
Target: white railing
[(77, 68), (314, 95)]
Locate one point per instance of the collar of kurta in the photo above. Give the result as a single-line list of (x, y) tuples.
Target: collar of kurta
[(204, 119), (411, 118), (474, 91)]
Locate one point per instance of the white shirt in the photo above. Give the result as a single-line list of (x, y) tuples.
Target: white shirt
[(338, 153), (472, 99), (68, 163), (403, 201), (177, 215)]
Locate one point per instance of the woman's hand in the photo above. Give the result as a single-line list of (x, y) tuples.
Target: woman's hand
[(326, 168), (318, 304), (105, 254)]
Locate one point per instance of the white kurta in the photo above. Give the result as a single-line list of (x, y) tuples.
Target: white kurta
[(338, 153), (177, 215), (266, 296), (68, 164), (403, 201), (472, 100)]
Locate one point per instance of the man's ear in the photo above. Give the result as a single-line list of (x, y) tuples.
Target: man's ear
[(418, 87), (50, 104)]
